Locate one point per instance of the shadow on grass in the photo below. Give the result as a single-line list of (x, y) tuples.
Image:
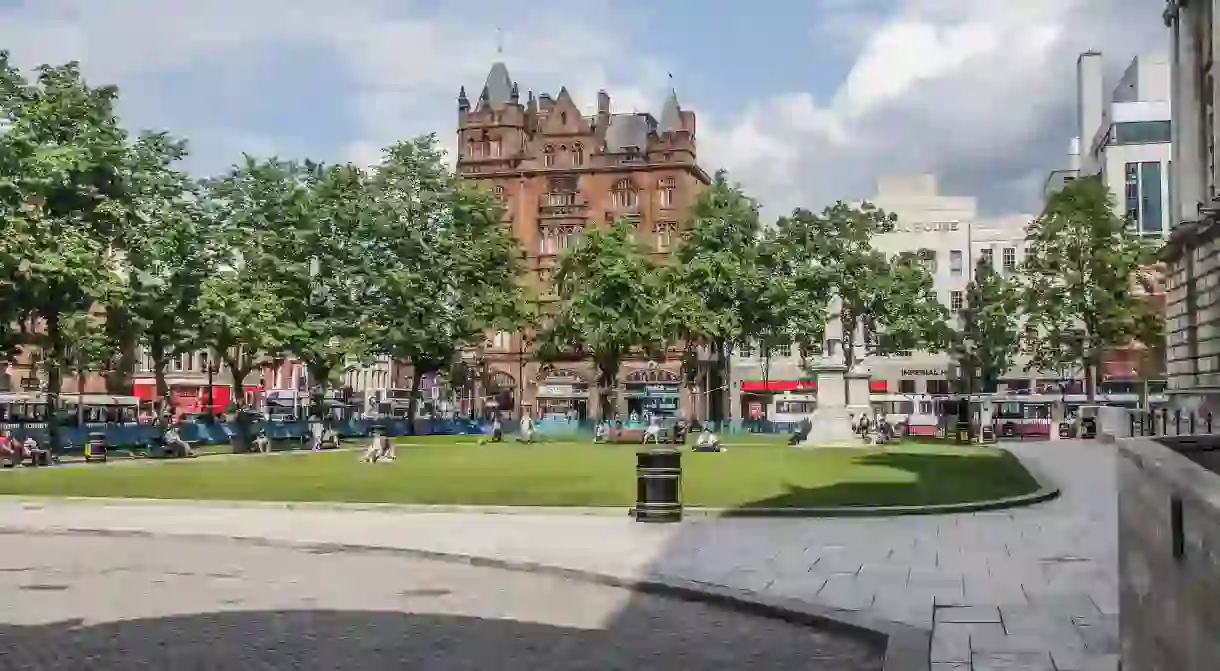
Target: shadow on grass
[(934, 479)]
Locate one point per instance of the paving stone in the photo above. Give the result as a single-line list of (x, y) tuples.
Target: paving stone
[(1018, 661), (845, 592), (968, 614), (950, 666), (950, 644)]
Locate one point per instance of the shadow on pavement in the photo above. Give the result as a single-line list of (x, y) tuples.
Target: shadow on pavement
[(331, 639)]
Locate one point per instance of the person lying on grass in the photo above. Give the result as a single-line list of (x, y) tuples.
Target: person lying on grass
[(708, 442)]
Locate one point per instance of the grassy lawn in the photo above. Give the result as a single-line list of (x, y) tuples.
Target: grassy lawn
[(456, 471)]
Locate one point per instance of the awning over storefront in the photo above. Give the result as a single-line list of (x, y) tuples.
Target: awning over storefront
[(779, 385)]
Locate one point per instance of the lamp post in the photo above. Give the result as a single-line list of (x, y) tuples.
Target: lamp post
[(211, 365)]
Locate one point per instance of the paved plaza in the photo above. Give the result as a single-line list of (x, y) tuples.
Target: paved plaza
[(1030, 588), (98, 603)]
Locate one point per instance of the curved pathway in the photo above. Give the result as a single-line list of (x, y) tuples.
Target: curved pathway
[(173, 603), (1027, 588)]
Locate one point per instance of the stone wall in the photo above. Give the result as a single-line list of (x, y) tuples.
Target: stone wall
[(1170, 580)]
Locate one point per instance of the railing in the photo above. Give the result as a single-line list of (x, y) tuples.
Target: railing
[(1164, 422)]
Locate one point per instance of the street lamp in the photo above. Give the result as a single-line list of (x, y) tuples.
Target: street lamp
[(211, 369)]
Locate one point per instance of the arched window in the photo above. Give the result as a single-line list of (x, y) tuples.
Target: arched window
[(667, 187), (624, 196), (563, 118), (548, 157), (578, 154)]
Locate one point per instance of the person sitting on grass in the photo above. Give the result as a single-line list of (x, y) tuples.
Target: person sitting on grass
[(379, 448), (10, 451), (497, 429), (653, 431), (527, 429), (708, 442), (601, 431), (174, 445), (802, 432), (262, 443)]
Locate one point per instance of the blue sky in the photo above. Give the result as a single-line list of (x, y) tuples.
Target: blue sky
[(804, 103)]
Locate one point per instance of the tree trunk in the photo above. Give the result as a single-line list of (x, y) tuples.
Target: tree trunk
[(54, 379), (80, 395), (607, 379), (1090, 382), (160, 362), (417, 377), (238, 370)]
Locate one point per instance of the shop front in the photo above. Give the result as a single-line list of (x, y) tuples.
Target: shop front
[(652, 393), (186, 398), (562, 395)]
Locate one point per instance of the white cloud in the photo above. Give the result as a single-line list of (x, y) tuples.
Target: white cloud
[(978, 91)]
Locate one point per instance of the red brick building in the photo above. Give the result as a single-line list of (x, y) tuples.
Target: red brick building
[(558, 172)]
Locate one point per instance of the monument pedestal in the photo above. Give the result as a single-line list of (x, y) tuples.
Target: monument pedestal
[(832, 419)]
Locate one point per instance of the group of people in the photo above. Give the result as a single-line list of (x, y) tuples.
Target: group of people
[(15, 452), (873, 430)]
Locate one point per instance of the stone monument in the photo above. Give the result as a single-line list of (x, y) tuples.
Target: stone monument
[(842, 391)]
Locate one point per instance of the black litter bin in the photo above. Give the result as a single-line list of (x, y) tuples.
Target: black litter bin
[(95, 447), (1065, 430), (1088, 427), (658, 486)]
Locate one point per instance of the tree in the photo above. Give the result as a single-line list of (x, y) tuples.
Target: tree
[(611, 304), (61, 167), (253, 212), (448, 268), (988, 336), (242, 322), (168, 253), (328, 304), (717, 279), (885, 304), (1080, 265)]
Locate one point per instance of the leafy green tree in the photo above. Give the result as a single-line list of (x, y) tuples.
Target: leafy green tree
[(253, 212), (168, 252), (329, 303), (717, 281), (988, 336), (448, 268), (1080, 266), (611, 303), (885, 304), (62, 153)]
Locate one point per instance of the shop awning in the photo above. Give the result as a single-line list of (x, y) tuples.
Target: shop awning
[(778, 385)]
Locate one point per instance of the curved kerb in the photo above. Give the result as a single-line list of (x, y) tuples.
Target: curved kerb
[(907, 648)]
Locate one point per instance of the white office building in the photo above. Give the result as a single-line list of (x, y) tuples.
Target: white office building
[(1125, 138), (952, 229)]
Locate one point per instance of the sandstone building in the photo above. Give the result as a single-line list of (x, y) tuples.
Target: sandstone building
[(558, 172)]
